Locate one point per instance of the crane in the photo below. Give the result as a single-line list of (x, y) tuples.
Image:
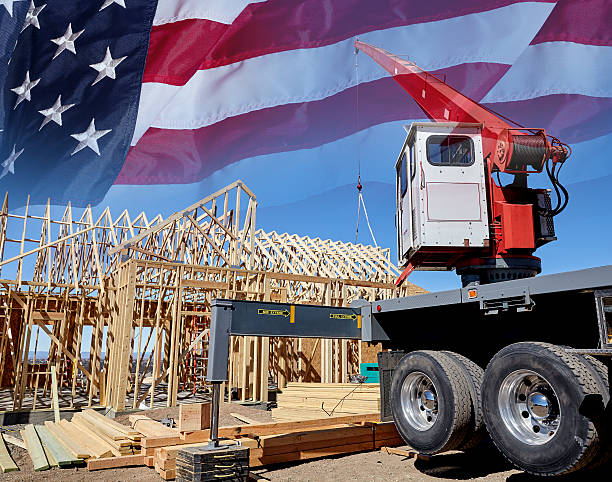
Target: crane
[(542, 401), (452, 212)]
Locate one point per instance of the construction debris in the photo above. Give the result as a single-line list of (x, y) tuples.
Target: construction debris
[(410, 454)]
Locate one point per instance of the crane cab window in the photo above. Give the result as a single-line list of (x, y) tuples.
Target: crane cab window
[(450, 150), (403, 176)]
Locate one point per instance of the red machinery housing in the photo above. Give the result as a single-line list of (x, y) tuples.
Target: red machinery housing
[(520, 218)]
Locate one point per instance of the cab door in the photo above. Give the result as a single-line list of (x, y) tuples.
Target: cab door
[(452, 190), (404, 203)]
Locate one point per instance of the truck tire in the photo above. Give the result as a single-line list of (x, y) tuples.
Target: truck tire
[(474, 375), (602, 416), (533, 396), (430, 401)]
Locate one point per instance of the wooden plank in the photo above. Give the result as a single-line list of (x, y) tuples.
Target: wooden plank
[(56, 413), (273, 428), (154, 442), (244, 419), (114, 462), (167, 474), (13, 440), (296, 439), (256, 459), (75, 449), (318, 444), (92, 414), (7, 464), (151, 428), (35, 448), (406, 453), (59, 451), (95, 446), (98, 438), (106, 431), (50, 458)]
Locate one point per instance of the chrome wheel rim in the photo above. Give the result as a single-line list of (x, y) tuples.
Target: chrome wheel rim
[(529, 407), (419, 401)]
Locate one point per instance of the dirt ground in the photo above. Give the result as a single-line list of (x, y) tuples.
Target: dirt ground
[(484, 465)]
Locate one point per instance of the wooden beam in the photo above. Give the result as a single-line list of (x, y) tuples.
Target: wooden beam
[(7, 464), (59, 451), (56, 413), (13, 440), (35, 448), (244, 419), (115, 462)]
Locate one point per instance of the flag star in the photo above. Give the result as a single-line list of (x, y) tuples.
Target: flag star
[(66, 41), (8, 4), (23, 91), (32, 16), (54, 113), (89, 138), (110, 2), (9, 164), (107, 67)]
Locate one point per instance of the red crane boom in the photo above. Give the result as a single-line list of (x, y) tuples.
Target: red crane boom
[(442, 103), (517, 215)]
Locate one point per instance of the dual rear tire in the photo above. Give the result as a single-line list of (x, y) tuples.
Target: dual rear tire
[(435, 401), (542, 406)]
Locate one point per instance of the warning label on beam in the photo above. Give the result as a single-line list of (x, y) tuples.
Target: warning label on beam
[(273, 312), (342, 316)]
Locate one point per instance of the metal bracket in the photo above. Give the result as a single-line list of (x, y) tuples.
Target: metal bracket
[(492, 301)]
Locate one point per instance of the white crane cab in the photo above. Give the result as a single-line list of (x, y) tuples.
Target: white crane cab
[(441, 194)]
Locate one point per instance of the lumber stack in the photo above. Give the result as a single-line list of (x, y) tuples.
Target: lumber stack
[(90, 437), (279, 442), (303, 401), (342, 439)]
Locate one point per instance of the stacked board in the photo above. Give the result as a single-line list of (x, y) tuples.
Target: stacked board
[(342, 439), (90, 437), (279, 442), (303, 401), (48, 449)]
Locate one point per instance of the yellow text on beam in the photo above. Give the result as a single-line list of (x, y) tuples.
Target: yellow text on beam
[(342, 316), (273, 312)]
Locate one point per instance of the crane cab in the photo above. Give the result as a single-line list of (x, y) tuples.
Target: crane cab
[(442, 210)]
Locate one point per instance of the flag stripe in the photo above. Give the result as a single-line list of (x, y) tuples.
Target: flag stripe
[(177, 50), (223, 11), (289, 77), (578, 21), (571, 117), (561, 67), (184, 156)]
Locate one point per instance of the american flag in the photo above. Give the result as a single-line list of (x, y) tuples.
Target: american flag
[(104, 93)]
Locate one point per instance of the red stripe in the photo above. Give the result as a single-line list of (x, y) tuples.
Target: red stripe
[(178, 50), (581, 21), (164, 156), (571, 117)]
